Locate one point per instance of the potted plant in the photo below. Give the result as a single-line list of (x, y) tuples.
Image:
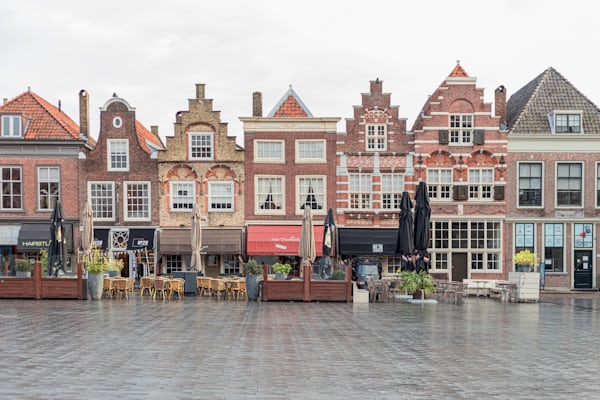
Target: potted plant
[(281, 270), (525, 261), (252, 269), (95, 266), (419, 284), (23, 268)]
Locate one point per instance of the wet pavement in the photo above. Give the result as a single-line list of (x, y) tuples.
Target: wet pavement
[(201, 348)]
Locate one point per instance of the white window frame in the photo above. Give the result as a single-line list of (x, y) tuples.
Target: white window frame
[(188, 199), (10, 182), (278, 195), (214, 195), (94, 200), (110, 153), (392, 186), (48, 179), (318, 183), (360, 188), (598, 185), (146, 202), (460, 130), (300, 151), (204, 147), (527, 182), (440, 184), (481, 184), (376, 137), (12, 126), (581, 184), (263, 158)]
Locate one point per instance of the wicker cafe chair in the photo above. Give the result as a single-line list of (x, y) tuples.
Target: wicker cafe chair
[(130, 285), (107, 288), (146, 284), (203, 285), (218, 288), (120, 287), (239, 289), (176, 285), (161, 285)]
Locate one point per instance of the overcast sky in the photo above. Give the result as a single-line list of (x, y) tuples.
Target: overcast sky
[(152, 53)]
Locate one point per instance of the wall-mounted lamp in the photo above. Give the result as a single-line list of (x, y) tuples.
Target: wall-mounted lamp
[(502, 162), (460, 163)]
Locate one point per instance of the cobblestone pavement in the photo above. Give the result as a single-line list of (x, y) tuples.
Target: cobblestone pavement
[(200, 348)]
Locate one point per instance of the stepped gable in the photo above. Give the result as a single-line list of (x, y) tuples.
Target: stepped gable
[(290, 105), (42, 120), (528, 108)]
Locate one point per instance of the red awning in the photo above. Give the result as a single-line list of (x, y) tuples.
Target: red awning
[(279, 240)]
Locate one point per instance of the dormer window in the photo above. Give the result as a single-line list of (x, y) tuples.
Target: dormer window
[(568, 123), (11, 126)]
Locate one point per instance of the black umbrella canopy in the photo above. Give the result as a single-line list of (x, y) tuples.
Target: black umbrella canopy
[(405, 229), (57, 250), (422, 216), (325, 266)]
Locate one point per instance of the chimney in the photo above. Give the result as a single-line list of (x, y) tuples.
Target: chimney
[(257, 104), (500, 104), (154, 129), (376, 86), (200, 91), (84, 115)]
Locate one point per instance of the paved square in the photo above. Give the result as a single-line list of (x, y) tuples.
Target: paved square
[(201, 348)]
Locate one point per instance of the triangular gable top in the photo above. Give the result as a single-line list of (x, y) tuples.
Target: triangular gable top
[(458, 72), (528, 108), (149, 142), (290, 105), (42, 120)]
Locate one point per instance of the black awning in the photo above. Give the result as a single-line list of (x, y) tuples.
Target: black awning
[(101, 238), (365, 241), (33, 237), (141, 239)]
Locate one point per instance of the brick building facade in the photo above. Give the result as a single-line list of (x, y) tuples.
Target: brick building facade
[(374, 163), (39, 156), (202, 165), (120, 179), (288, 158), (460, 151)]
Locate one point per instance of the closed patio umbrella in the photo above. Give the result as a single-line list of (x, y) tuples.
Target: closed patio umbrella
[(306, 247), (328, 245), (57, 251), (405, 243), (196, 261), (422, 216), (87, 236)]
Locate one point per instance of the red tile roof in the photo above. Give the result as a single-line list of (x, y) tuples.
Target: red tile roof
[(144, 136), (41, 120), (290, 105), (290, 108), (458, 71)]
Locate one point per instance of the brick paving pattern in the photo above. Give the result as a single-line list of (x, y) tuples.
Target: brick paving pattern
[(199, 348)]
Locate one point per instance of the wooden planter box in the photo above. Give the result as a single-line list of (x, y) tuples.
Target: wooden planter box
[(307, 289), (528, 285), (38, 287)]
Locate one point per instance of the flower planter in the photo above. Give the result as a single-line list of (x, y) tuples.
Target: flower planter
[(95, 282), (280, 276), (23, 274), (251, 287)]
